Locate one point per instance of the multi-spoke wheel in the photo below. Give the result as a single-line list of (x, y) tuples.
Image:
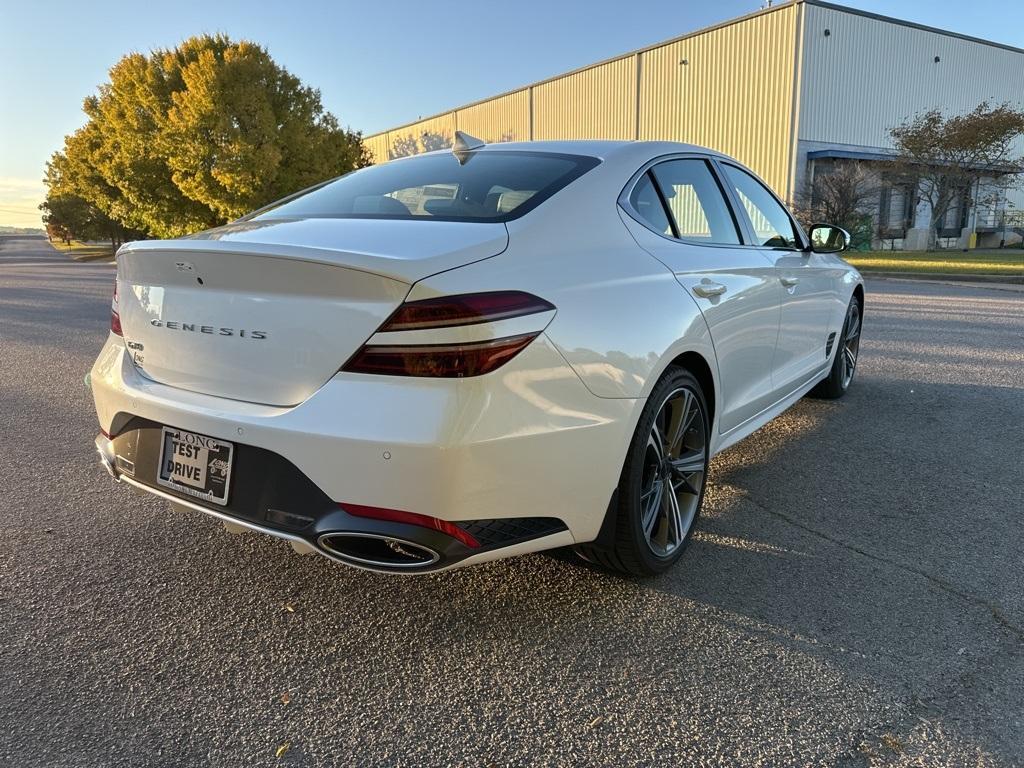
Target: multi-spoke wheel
[(845, 363), (851, 342), (662, 483), (673, 478)]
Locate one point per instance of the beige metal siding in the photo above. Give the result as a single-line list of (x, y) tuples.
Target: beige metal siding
[(505, 118), (597, 103), (378, 147), (734, 94), (426, 135), (869, 75)]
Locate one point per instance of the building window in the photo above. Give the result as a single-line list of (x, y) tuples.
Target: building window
[(955, 218), (896, 212)]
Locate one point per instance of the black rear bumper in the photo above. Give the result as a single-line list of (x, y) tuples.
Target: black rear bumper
[(270, 494)]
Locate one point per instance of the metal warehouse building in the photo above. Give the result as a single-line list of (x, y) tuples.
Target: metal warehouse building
[(784, 90)]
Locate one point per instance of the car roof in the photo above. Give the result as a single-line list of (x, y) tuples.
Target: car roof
[(594, 147)]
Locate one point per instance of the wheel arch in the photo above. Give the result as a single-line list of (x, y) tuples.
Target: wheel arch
[(695, 363)]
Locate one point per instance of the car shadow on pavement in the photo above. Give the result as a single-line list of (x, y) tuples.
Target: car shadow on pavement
[(818, 583)]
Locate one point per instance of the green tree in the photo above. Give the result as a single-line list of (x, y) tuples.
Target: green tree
[(71, 216), (243, 132), (185, 139), (843, 194), (949, 158)]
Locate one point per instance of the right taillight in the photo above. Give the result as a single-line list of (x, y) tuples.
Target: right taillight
[(464, 309), (115, 317), (457, 360)]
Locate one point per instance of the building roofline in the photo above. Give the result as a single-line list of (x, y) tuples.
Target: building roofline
[(695, 33), (911, 24), (602, 62)]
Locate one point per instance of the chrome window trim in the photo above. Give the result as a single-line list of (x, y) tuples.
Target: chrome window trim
[(740, 223), (804, 241)]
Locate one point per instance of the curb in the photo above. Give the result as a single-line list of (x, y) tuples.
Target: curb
[(945, 278)]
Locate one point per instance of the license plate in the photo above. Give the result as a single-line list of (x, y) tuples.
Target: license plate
[(196, 465)]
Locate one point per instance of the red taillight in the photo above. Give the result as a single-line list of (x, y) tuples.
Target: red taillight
[(412, 518), (465, 309), (455, 360), (446, 361), (115, 318)]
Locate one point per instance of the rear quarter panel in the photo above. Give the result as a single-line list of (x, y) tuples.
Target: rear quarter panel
[(621, 315)]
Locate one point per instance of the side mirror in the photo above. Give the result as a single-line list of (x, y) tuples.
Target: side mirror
[(826, 238)]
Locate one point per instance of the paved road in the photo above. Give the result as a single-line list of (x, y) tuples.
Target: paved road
[(854, 595)]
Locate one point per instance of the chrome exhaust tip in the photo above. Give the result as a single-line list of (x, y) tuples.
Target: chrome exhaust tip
[(376, 551)]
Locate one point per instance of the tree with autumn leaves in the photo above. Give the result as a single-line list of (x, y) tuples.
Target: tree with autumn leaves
[(186, 139), (973, 156)]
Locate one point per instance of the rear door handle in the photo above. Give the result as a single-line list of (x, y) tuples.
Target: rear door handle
[(789, 282), (708, 289)]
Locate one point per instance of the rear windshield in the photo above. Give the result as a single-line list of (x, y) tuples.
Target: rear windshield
[(488, 186)]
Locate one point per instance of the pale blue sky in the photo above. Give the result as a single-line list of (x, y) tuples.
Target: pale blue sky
[(377, 64)]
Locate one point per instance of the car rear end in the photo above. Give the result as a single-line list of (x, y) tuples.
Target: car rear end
[(297, 375)]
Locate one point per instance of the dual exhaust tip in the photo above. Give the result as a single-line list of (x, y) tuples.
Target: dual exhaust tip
[(377, 551)]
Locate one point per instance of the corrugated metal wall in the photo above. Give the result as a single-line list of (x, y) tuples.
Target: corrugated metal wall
[(734, 93), (427, 135), (505, 118), (868, 75), (732, 87), (378, 147), (597, 103)]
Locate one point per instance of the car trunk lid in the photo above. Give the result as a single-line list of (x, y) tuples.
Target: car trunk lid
[(269, 316)]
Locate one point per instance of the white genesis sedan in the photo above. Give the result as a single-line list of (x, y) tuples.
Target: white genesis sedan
[(474, 354)]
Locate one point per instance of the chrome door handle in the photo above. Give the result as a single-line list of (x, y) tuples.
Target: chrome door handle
[(789, 282), (708, 289)]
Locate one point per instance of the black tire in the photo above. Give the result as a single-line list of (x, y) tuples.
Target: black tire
[(844, 364), (638, 505)]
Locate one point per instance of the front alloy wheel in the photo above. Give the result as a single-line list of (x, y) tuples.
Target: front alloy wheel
[(851, 343), (844, 364)]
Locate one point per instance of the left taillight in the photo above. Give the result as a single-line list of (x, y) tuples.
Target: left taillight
[(115, 317), (450, 360)]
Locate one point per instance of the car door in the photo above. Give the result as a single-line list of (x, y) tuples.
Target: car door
[(683, 219), (807, 280)]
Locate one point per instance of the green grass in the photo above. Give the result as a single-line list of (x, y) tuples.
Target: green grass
[(84, 251), (1007, 261)]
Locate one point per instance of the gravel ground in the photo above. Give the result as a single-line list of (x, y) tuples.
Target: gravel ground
[(854, 595)]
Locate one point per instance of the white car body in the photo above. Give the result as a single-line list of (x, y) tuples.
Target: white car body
[(544, 436)]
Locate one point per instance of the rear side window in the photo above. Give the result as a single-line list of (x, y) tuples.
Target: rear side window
[(647, 203), (487, 186), (696, 202), (771, 224)]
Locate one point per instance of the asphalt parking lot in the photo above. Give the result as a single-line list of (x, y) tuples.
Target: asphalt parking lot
[(854, 595)]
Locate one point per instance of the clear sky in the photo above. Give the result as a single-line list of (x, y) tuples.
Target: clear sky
[(378, 63)]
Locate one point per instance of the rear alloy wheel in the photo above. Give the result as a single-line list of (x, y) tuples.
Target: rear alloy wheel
[(844, 365), (662, 483)]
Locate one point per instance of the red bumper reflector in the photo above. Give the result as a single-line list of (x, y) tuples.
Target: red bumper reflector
[(447, 361), (412, 518), (115, 317)]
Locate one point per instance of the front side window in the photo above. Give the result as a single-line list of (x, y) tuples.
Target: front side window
[(696, 202), (488, 186), (771, 224)]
